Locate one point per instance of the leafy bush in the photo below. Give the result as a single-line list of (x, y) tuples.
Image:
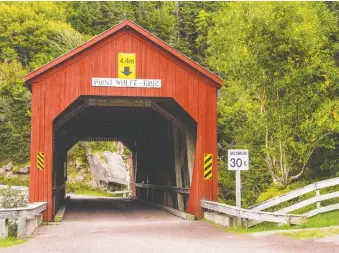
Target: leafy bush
[(273, 191), (85, 189), (15, 180), (11, 198), (12, 228)]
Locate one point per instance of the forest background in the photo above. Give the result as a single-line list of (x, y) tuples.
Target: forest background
[(279, 62)]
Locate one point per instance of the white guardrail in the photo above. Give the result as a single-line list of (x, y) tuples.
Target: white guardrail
[(28, 218), (256, 214), (243, 213)]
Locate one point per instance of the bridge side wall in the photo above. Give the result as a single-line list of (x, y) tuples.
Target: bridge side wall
[(56, 89)]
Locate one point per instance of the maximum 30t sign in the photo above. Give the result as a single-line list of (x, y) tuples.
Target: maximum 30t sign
[(237, 159)]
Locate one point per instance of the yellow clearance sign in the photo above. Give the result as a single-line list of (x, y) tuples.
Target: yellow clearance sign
[(126, 66)]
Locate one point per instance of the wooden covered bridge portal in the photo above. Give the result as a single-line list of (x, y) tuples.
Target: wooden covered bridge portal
[(127, 85)]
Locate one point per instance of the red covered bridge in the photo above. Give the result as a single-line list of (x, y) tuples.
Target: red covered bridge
[(127, 85)]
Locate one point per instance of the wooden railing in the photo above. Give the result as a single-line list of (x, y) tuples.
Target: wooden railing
[(257, 214), (58, 189), (315, 187), (164, 188), (168, 190), (242, 213)]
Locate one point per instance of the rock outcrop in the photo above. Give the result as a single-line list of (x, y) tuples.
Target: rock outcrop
[(24, 170), (6, 169), (110, 172)]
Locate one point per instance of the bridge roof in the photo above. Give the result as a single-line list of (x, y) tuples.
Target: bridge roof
[(123, 25)]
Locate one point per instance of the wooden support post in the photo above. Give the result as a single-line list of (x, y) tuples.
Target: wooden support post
[(168, 201), (190, 146), (177, 160)]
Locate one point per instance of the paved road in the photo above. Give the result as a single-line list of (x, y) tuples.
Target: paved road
[(95, 226)]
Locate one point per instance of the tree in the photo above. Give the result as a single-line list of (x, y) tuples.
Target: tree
[(27, 31), (15, 115), (92, 18), (282, 82)]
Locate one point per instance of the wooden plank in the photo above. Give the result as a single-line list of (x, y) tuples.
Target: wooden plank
[(296, 193), (323, 209), (309, 202), (253, 215), (304, 203)]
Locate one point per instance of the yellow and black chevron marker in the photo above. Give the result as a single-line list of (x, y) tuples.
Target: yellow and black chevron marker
[(41, 160), (208, 159)]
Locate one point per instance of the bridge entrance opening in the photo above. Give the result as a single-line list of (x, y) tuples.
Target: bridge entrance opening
[(159, 133)]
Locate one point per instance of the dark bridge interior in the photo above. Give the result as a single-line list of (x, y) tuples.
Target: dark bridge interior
[(160, 134)]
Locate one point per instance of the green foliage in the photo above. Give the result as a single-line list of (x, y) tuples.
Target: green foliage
[(85, 189), (93, 18), (12, 228), (15, 180), (281, 100), (310, 234), (273, 191), (15, 115), (34, 33), (79, 150), (11, 198)]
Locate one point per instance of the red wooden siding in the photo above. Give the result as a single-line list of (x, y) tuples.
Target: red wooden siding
[(55, 87)]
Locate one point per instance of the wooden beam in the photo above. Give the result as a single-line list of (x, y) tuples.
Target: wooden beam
[(190, 147), (177, 161), (164, 188), (72, 114)]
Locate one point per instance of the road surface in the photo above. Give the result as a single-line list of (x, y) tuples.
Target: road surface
[(117, 226)]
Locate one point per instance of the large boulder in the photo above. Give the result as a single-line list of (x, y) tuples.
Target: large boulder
[(111, 172), (118, 173), (24, 170), (98, 170)]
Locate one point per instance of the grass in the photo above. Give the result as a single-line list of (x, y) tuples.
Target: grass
[(308, 234), (94, 192), (321, 220), (11, 241)]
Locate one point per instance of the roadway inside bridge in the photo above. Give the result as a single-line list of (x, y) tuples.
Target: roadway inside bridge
[(117, 210), (125, 226)]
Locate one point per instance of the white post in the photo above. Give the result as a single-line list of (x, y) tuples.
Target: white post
[(317, 193), (21, 232), (238, 188)]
